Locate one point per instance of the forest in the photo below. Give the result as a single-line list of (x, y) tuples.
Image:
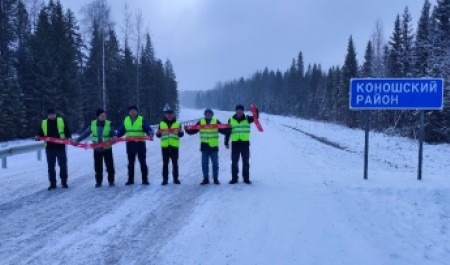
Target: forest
[(311, 92), (50, 58)]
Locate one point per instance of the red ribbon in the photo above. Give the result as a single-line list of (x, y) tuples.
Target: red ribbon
[(207, 126), (96, 145)]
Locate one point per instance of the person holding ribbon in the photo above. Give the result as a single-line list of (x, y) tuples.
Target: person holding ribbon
[(55, 127), (170, 132), (240, 143), (209, 129), (135, 125), (102, 131)]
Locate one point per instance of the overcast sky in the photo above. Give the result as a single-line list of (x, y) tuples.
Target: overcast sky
[(219, 40)]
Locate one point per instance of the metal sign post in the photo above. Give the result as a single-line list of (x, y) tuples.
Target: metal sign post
[(366, 145), (396, 94), (421, 135)]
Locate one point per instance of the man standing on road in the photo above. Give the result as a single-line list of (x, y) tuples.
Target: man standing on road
[(170, 132), (101, 131), (240, 144), (209, 145), (55, 127), (135, 125)]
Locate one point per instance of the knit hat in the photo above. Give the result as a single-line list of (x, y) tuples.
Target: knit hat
[(209, 111), (240, 107), (99, 111), (133, 107), (51, 111)]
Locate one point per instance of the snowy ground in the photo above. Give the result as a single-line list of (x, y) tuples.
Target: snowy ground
[(308, 205)]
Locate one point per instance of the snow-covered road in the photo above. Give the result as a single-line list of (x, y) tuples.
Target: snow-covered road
[(308, 205)]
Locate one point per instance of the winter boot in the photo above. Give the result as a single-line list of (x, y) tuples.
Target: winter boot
[(64, 184), (205, 181), (216, 181), (165, 182), (98, 185), (52, 186), (233, 181), (176, 181), (129, 182)]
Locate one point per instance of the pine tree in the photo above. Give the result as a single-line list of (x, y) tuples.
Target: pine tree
[(146, 76), (116, 84), (349, 71), (129, 76), (157, 100), (170, 86), (10, 94), (93, 77), (41, 91), (368, 66), (439, 126), (407, 44), (300, 65), (423, 43), (395, 65), (406, 118), (23, 66)]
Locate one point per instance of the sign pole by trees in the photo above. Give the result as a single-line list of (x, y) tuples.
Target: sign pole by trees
[(396, 94)]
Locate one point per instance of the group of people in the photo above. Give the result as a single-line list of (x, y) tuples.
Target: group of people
[(169, 131)]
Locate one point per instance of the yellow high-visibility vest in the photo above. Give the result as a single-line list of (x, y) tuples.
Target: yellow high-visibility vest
[(209, 136), (169, 138), (240, 131)]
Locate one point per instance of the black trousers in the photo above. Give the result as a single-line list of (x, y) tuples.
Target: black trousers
[(170, 153), (59, 155), (107, 157), (137, 149), (240, 149)]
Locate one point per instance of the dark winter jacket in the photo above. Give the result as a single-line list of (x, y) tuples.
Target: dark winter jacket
[(205, 146), (227, 137), (52, 131)]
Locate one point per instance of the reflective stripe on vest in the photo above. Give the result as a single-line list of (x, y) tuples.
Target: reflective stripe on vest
[(106, 135), (169, 138), (59, 125), (209, 136), (134, 129), (240, 131)]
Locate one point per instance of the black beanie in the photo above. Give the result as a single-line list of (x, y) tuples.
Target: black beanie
[(133, 107), (99, 111), (240, 106)]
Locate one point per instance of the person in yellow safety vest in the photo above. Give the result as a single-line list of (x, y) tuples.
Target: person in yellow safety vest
[(102, 131), (209, 146), (170, 143), (135, 125), (240, 144), (56, 127)]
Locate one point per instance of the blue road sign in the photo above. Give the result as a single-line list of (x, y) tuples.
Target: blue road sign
[(397, 93)]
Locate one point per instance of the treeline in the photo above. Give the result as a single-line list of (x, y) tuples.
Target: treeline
[(314, 93), (45, 63)]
